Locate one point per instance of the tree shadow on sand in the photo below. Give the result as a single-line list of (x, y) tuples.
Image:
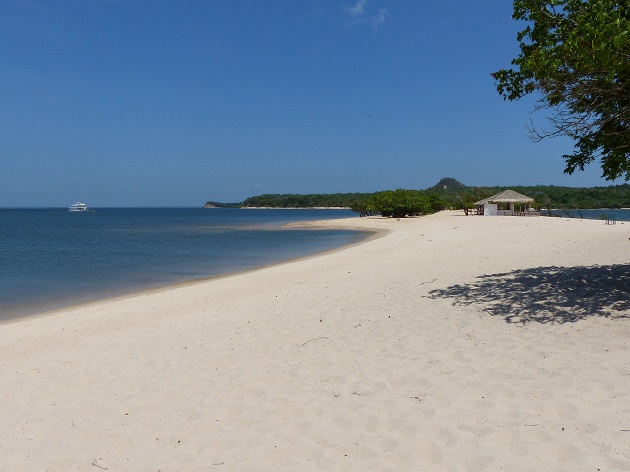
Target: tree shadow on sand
[(548, 294)]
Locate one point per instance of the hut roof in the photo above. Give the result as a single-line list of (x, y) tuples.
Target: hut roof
[(507, 196)]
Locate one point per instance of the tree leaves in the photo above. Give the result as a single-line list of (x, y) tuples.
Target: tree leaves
[(400, 203), (576, 55)]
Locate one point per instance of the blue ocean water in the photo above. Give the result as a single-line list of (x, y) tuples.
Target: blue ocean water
[(619, 215), (51, 258)]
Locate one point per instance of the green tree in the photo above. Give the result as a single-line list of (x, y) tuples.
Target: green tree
[(576, 54), (436, 202), (400, 203), (466, 200), (362, 206)]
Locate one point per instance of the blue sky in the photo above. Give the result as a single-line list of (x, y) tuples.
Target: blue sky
[(176, 102)]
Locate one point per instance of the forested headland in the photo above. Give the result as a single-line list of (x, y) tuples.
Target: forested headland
[(448, 193)]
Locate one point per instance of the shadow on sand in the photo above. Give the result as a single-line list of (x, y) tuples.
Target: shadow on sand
[(548, 294)]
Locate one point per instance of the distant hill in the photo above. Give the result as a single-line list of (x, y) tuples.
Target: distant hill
[(447, 186)]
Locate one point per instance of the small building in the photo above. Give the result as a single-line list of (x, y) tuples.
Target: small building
[(506, 203)]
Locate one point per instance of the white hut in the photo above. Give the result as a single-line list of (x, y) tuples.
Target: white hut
[(505, 204)]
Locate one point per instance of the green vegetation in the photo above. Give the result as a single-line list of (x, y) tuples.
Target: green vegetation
[(339, 200), (447, 187), (576, 55), (617, 196), (400, 203), (222, 205), (446, 194), (545, 196)]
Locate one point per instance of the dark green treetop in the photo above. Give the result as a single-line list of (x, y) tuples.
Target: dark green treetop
[(400, 203)]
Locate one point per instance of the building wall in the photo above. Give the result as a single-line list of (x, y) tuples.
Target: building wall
[(490, 209)]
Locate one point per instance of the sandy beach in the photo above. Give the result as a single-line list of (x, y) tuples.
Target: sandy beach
[(450, 343)]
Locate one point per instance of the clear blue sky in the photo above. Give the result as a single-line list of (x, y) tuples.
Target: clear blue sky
[(176, 102)]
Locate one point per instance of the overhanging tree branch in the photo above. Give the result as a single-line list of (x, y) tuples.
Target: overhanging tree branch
[(576, 55)]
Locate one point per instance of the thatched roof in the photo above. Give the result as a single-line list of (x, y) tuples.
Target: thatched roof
[(507, 196)]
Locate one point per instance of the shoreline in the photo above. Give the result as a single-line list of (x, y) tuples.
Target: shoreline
[(29, 313), (449, 343)]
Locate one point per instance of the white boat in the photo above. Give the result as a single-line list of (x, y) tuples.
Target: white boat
[(78, 206)]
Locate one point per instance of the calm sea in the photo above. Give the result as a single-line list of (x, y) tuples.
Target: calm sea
[(50, 258), (618, 215)]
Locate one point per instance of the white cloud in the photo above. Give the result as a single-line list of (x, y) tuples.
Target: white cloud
[(358, 9), (358, 14), (380, 18)]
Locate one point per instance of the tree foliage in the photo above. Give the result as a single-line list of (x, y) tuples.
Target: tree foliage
[(325, 200), (447, 194), (576, 54), (467, 198), (400, 203), (363, 206)]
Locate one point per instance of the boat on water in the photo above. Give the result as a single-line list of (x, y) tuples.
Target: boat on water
[(78, 206)]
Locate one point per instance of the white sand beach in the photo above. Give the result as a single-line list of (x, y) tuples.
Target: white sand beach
[(451, 343)]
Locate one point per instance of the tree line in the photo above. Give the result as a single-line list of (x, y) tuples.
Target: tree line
[(324, 200), (549, 196), (446, 194)]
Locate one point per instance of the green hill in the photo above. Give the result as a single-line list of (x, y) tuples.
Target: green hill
[(447, 186)]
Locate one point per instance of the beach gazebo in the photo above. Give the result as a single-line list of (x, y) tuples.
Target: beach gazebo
[(503, 204)]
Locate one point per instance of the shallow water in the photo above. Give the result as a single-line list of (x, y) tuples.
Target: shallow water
[(51, 258)]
